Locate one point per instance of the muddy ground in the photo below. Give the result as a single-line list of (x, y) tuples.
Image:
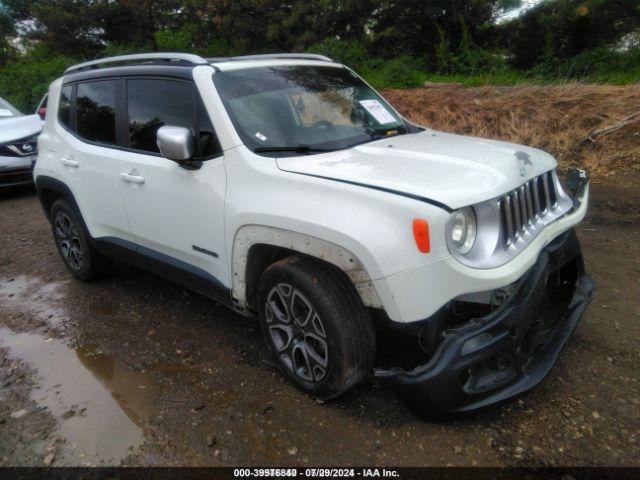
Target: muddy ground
[(134, 370)]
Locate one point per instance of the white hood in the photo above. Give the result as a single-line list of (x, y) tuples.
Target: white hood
[(451, 169), (17, 128)]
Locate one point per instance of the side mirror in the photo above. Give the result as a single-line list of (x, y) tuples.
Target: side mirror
[(175, 143)]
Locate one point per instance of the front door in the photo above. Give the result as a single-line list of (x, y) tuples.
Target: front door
[(175, 214)]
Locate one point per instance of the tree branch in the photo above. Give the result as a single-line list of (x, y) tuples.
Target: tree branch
[(607, 130)]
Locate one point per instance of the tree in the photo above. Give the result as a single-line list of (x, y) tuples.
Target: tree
[(26, 79), (83, 28), (7, 32), (557, 30), (254, 26), (416, 27), (66, 26)]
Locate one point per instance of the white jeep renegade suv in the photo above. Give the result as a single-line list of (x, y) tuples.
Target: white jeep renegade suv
[(287, 188)]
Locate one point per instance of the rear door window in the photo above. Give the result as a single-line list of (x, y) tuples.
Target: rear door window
[(96, 111)]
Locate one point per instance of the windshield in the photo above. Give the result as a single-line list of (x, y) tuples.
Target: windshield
[(7, 110), (304, 109)]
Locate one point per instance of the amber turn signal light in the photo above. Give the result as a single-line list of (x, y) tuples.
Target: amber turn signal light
[(421, 234)]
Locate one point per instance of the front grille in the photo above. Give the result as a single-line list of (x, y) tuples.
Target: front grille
[(17, 149), (522, 209), (5, 151)]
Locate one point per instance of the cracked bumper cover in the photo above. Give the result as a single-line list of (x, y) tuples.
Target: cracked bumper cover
[(485, 360), (491, 359)]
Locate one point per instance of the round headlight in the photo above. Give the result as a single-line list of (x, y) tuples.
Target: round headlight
[(463, 229)]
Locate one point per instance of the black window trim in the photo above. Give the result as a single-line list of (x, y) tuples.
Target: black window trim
[(122, 127), (122, 120), (73, 115)]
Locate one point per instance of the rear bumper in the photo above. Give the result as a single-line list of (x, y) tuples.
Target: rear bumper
[(490, 359)]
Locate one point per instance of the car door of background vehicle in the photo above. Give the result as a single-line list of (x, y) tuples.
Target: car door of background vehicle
[(176, 214)]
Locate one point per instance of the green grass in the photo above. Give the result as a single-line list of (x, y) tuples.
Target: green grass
[(416, 78), (616, 78)]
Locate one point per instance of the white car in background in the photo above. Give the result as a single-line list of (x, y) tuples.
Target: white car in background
[(18, 145)]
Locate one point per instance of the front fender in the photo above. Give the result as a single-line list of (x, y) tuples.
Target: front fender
[(251, 235), (373, 227)]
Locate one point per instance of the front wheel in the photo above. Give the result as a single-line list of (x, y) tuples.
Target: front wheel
[(316, 326)]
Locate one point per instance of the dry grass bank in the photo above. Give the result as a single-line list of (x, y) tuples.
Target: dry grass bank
[(554, 118)]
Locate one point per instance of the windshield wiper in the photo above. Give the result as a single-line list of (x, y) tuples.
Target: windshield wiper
[(292, 148)]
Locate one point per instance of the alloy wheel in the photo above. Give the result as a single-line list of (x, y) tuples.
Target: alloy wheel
[(297, 333), (68, 240)]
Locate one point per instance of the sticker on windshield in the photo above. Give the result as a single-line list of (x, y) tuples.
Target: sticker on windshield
[(375, 108), (4, 112), (261, 136)]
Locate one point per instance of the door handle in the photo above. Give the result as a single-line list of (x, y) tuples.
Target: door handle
[(69, 163), (132, 178)]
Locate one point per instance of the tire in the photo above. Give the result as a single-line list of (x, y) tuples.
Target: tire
[(72, 241), (316, 326)]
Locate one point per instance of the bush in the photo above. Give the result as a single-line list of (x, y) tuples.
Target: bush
[(351, 53), (176, 40), (115, 49), (25, 81), (468, 59), (600, 65), (401, 72), (216, 46)]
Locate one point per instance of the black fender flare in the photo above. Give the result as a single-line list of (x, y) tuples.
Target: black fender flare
[(45, 184)]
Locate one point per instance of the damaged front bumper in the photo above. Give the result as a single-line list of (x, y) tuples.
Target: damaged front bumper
[(491, 358)]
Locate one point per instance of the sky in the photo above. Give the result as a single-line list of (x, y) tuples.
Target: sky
[(526, 4)]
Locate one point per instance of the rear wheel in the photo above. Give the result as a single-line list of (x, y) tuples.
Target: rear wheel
[(316, 326), (72, 241)]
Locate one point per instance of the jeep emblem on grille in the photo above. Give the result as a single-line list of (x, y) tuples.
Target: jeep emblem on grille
[(524, 160)]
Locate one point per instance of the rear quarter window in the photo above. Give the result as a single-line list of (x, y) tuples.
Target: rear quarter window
[(64, 107)]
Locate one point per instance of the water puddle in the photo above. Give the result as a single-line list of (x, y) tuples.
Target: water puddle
[(35, 296), (100, 407)]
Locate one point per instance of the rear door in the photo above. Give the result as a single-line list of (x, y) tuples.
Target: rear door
[(88, 158), (175, 213)]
